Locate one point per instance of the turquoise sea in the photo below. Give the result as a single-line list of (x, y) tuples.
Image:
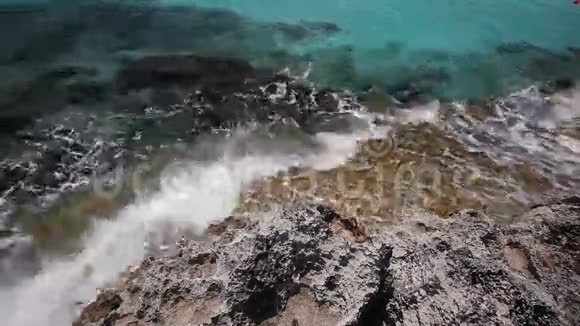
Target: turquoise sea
[(391, 37), (459, 49)]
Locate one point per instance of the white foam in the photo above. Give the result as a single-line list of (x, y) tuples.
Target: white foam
[(569, 142), (566, 105), (193, 196), (421, 113)]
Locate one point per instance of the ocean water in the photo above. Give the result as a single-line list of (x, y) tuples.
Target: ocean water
[(459, 40), (457, 49), (482, 92), (446, 25)]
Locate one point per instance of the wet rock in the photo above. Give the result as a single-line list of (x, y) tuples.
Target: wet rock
[(226, 92), (516, 47), (557, 85), (421, 85), (322, 26), (174, 97), (327, 99), (305, 29), (574, 50), (54, 155), (106, 302), (296, 268), (85, 92), (406, 94)]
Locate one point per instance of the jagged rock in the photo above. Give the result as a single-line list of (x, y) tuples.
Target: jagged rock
[(106, 302), (291, 264), (305, 266), (227, 92), (469, 271)]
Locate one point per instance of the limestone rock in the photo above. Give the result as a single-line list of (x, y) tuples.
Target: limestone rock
[(307, 266)]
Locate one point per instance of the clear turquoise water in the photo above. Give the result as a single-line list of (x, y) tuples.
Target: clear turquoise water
[(450, 25), (448, 47), (394, 38), (455, 25)]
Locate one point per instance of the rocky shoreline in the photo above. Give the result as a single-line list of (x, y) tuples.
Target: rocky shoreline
[(92, 92), (307, 265), (277, 270)]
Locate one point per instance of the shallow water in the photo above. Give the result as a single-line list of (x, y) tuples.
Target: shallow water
[(446, 25), (459, 45), (458, 49), (437, 105)]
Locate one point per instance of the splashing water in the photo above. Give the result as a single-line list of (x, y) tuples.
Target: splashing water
[(192, 197)]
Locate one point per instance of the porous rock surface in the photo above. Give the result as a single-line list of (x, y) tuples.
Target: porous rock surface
[(309, 266)]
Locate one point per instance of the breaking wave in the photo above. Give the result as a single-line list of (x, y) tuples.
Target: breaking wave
[(190, 197)]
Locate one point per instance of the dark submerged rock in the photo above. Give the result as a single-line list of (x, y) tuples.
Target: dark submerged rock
[(322, 26), (406, 94), (229, 92), (301, 266), (306, 29), (85, 92), (557, 85), (187, 70), (96, 127)]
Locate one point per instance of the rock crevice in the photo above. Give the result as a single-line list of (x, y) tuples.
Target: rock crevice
[(294, 267)]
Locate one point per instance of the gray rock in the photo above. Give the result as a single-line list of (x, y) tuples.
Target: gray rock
[(469, 271), (310, 266)]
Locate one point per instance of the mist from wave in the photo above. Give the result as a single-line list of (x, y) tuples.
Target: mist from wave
[(190, 197)]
